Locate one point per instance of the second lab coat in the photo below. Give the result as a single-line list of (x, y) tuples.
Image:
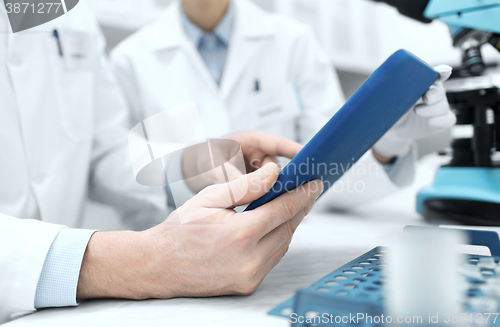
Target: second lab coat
[(298, 91)]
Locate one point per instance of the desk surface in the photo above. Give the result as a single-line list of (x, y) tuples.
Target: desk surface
[(323, 242)]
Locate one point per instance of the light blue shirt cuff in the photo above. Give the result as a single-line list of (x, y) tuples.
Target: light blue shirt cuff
[(59, 277), (391, 168), (402, 170)]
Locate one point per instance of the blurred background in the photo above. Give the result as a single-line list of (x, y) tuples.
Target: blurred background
[(358, 35)]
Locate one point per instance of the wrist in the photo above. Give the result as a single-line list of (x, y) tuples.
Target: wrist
[(382, 159), (390, 146), (113, 266)]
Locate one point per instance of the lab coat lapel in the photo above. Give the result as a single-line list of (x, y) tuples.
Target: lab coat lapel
[(199, 65), (171, 35), (251, 30)]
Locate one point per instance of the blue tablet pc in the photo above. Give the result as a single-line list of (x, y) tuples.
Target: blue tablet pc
[(377, 105)]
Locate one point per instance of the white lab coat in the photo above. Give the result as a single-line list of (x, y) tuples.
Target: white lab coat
[(159, 68), (59, 123)]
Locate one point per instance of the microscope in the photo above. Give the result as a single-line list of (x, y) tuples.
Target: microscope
[(467, 190)]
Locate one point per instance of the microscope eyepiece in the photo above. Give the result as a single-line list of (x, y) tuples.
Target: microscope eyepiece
[(470, 42), (473, 60), (495, 41)]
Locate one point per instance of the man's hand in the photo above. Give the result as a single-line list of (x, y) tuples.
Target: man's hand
[(431, 115), (220, 252), (258, 149)]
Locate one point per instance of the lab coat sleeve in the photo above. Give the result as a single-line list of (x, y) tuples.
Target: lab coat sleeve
[(112, 178), (125, 74), (124, 71), (368, 180), (321, 97), (24, 245)]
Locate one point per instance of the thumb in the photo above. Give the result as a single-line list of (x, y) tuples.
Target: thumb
[(252, 186), (230, 173), (242, 190)]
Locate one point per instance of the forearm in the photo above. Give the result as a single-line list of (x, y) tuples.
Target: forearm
[(220, 254), (113, 266)]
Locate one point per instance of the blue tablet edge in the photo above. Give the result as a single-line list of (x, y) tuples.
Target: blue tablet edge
[(382, 100)]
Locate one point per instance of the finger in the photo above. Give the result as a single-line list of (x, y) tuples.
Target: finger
[(232, 172), (444, 72), (243, 190), (432, 110), (222, 174), (278, 146), (272, 261), (198, 211), (435, 94), (254, 185), (264, 268), (275, 213), (445, 121), (259, 163), (280, 236), (256, 163), (269, 159), (271, 145)]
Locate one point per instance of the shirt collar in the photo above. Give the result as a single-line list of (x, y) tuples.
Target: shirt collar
[(222, 30)]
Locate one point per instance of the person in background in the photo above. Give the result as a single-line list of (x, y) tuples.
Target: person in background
[(251, 70), (63, 121)]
